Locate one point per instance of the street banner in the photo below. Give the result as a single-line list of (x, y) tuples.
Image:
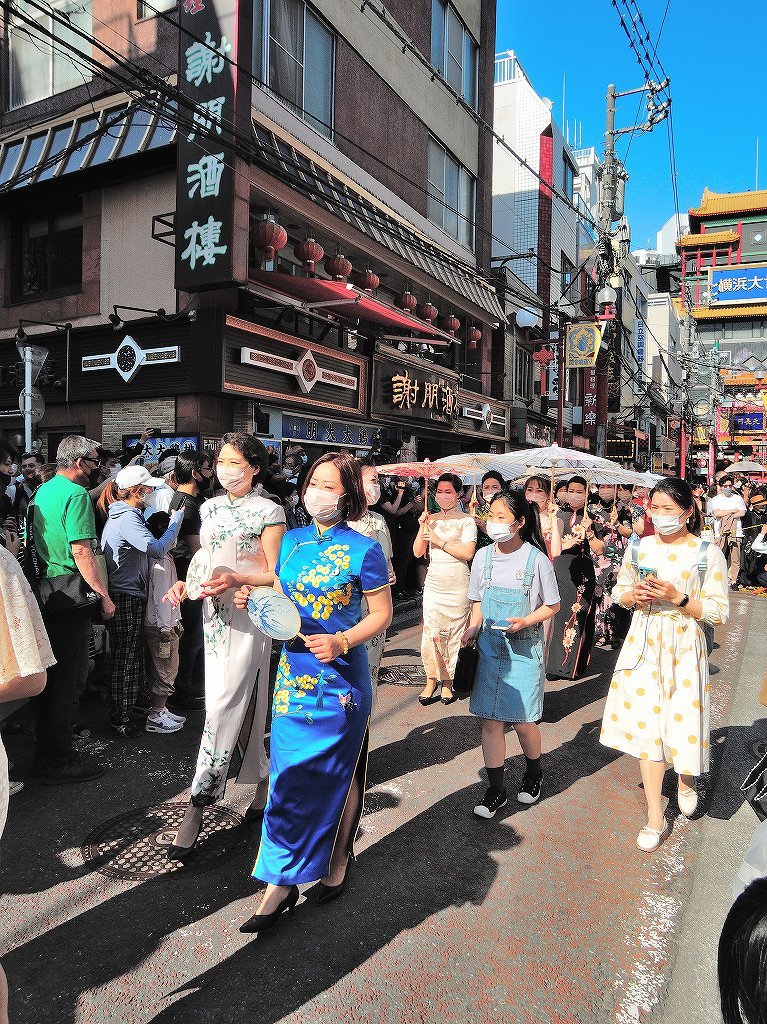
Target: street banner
[(742, 283), (582, 343)]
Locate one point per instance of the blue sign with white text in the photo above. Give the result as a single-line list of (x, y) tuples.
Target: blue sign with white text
[(333, 432), (745, 421), (744, 283)]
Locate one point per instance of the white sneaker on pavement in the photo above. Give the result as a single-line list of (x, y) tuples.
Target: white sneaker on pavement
[(175, 718), (161, 721)]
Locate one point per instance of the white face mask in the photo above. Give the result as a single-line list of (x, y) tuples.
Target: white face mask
[(500, 532), (323, 505), (372, 493), (666, 525), (229, 478)]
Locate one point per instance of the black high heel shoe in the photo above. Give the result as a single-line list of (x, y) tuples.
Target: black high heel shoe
[(182, 852), (431, 699), (326, 893), (265, 922), (449, 700), (254, 815)]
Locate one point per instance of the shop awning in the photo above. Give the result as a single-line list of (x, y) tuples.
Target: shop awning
[(344, 300), (86, 140), (312, 180)]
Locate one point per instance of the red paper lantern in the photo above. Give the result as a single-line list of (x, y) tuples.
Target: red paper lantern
[(474, 335), (407, 301), (428, 312), (338, 267), (310, 253), (451, 323), (270, 237), (366, 280)]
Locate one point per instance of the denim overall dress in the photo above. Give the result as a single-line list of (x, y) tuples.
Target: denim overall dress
[(510, 675)]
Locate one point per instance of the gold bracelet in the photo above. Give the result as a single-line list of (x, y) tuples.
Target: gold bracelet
[(344, 642)]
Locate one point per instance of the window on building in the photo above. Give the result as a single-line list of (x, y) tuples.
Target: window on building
[(150, 8), (47, 255), (523, 373), (453, 51), (450, 195), (41, 67), (568, 178), (294, 54), (567, 276), (754, 245)]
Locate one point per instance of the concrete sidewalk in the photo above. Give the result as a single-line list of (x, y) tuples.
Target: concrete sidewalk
[(546, 914)]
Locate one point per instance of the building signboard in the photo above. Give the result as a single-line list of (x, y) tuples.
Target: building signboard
[(737, 424), (590, 403), (128, 358), (160, 447), (205, 184), (338, 433), (582, 343), (260, 362), (746, 282), (745, 422), (414, 391), (640, 343)]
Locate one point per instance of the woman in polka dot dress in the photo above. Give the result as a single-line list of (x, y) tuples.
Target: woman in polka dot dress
[(657, 707)]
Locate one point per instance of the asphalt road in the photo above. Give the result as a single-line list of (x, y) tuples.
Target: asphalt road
[(544, 914)]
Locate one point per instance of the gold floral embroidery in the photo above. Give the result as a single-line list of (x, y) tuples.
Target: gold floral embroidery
[(287, 687), (310, 591)]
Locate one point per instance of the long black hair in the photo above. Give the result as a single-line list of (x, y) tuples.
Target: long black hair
[(742, 957), (681, 494), (492, 475), (521, 508)]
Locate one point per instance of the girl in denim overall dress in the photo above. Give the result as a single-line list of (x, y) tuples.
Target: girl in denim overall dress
[(513, 590)]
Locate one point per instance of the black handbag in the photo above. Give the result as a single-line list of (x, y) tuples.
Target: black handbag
[(466, 669), (66, 595), (755, 788)]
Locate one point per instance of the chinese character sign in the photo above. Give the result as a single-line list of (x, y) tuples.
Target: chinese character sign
[(590, 403), (746, 282), (582, 343), (205, 177), (640, 340)]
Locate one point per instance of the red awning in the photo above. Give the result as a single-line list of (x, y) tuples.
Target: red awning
[(344, 300)]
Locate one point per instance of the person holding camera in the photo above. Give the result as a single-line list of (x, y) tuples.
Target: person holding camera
[(657, 706)]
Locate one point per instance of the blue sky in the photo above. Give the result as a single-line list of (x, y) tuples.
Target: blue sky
[(713, 52)]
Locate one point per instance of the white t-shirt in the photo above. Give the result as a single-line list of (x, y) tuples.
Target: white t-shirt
[(725, 503), (509, 571)]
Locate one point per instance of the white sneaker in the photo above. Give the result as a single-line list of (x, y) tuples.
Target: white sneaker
[(14, 788), (175, 718), (161, 721)]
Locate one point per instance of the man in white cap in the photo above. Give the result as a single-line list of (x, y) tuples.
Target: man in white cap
[(163, 495)]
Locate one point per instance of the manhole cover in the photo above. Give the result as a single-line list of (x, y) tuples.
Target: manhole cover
[(135, 845), (409, 676)]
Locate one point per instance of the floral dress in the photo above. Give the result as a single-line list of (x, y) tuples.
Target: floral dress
[(321, 713), (236, 654), (572, 630), (446, 599), (611, 621)]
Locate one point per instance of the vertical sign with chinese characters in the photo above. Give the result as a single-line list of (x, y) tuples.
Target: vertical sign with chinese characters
[(590, 403), (553, 380), (206, 247)]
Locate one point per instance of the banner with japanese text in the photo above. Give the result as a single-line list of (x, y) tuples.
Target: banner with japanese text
[(582, 343), (205, 192), (590, 403), (746, 282)]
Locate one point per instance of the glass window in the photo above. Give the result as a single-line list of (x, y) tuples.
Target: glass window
[(48, 254), (150, 8), (568, 180), (522, 373), (58, 145), (139, 125), (450, 195), (41, 67), (301, 57), (108, 141), (453, 51), (77, 157), (9, 160), (568, 272)]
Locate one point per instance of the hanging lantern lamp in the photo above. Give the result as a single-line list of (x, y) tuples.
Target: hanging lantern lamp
[(338, 267), (451, 324), (407, 301), (310, 253), (366, 280), (428, 312), (269, 237), (474, 336)]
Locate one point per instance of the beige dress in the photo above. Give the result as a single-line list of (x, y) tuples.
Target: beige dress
[(374, 525), (24, 646), (445, 599), (658, 704)]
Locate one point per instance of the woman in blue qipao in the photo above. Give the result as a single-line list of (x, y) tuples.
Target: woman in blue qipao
[(322, 694)]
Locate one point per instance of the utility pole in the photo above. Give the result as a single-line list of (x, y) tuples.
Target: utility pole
[(612, 185)]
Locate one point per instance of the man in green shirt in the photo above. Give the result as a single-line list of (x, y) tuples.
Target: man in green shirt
[(64, 531)]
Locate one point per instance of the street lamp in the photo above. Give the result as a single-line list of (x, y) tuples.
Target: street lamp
[(117, 321), (34, 356)]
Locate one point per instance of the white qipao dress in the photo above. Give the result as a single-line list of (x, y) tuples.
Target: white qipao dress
[(373, 525), (658, 704), (236, 653)]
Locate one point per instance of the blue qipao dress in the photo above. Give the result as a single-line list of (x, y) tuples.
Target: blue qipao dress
[(320, 713)]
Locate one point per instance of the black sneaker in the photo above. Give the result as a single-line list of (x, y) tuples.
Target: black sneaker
[(492, 802), (126, 728), (186, 702), (530, 790), (79, 769), (80, 732)]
